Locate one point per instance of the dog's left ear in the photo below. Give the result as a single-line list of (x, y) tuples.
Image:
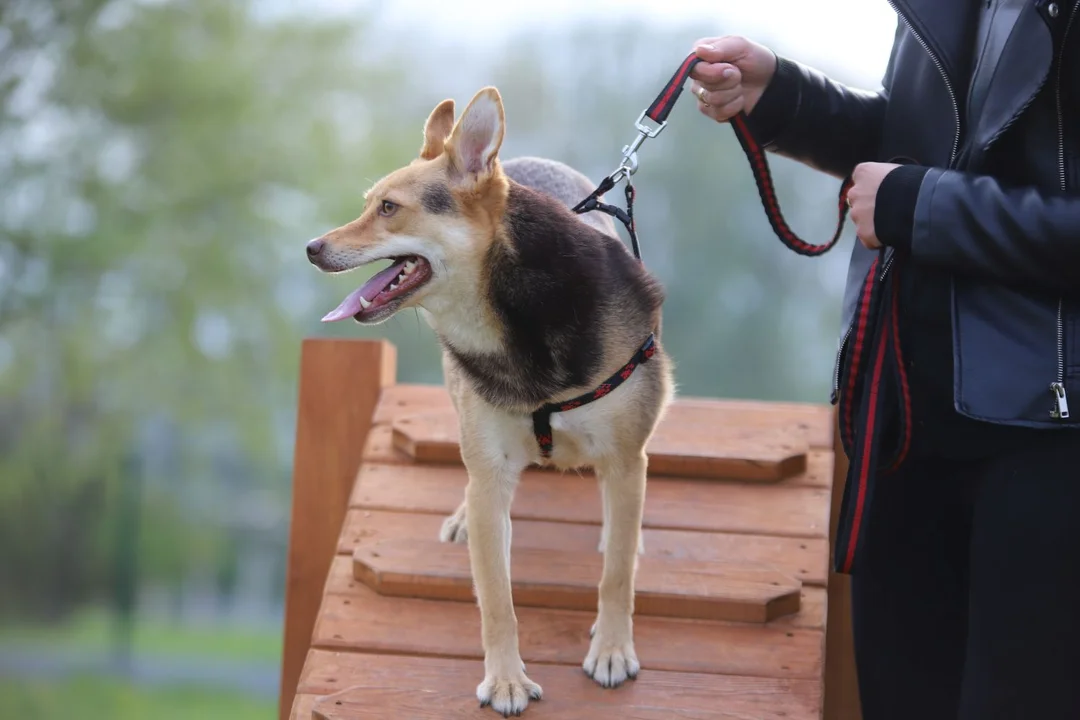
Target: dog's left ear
[(437, 128), (475, 141)]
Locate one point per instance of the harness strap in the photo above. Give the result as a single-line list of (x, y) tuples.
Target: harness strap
[(593, 202), (542, 416)]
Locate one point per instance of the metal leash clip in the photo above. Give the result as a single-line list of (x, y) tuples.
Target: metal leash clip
[(629, 164)]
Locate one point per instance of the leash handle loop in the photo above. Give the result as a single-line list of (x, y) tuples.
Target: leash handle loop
[(662, 106)]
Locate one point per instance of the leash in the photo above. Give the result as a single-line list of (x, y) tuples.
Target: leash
[(873, 388), (658, 113)]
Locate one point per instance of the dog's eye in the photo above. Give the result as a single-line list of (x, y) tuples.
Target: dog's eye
[(387, 208)]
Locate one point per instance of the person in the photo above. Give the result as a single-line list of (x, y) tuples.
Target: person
[(965, 197)]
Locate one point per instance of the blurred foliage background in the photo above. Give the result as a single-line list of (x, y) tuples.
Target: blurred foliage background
[(161, 165)]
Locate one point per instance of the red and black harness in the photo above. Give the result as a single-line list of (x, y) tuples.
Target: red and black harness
[(872, 392), (542, 417)]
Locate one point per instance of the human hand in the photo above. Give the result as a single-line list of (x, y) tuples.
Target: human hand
[(862, 199), (733, 74)]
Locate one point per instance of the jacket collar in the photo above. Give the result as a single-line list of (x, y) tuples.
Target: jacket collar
[(946, 27), (1018, 72)]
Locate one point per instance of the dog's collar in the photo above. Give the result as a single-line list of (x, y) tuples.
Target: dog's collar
[(542, 416)]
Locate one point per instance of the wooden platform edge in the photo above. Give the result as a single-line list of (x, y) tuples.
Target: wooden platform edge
[(841, 684), (775, 454), (668, 587), (332, 422)]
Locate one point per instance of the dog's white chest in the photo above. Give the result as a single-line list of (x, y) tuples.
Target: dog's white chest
[(579, 437)]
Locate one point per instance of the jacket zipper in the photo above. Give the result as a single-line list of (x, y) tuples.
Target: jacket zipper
[(1061, 399), (944, 76), (952, 158), (835, 397)]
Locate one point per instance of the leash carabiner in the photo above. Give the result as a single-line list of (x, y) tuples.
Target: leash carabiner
[(629, 164)]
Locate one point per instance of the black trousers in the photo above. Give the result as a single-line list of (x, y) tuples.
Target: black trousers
[(968, 606)]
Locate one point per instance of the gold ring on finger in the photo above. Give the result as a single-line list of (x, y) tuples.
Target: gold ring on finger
[(701, 97)]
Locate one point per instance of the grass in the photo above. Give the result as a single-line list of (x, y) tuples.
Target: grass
[(94, 698), (93, 631)]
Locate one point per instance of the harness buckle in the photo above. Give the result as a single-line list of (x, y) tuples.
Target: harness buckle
[(629, 164)]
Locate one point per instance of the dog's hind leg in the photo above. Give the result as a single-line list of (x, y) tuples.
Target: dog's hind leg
[(488, 496), (612, 659), (455, 527)]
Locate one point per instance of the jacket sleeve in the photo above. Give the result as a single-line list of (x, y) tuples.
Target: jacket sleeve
[(971, 224), (805, 116)]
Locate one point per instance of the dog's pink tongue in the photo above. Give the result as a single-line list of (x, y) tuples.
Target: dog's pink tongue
[(351, 305)]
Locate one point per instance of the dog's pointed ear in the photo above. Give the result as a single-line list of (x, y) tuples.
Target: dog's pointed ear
[(475, 141), (437, 129)]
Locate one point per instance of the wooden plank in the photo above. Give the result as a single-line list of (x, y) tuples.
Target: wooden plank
[(568, 580), (812, 419), (340, 384), (841, 679), (358, 618), (365, 703), (449, 686), (812, 605), (811, 614), (408, 398), (681, 449), (804, 559), (302, 707), (380, 449), (671, 503)]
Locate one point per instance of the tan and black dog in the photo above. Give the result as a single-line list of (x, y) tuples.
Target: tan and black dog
[(532, 305)]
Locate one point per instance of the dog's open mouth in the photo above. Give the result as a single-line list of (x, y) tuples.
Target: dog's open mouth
[(385, 291)]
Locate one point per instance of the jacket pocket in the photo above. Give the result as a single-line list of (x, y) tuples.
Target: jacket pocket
[(1005, 354)]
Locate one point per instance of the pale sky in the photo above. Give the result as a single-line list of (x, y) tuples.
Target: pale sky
[(853, 34)]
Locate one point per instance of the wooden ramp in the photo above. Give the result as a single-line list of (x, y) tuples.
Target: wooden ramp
[(731, 591)]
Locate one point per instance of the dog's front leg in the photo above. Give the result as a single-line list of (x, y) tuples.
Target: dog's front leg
[(611, 659), (605, 527), (488, 497)]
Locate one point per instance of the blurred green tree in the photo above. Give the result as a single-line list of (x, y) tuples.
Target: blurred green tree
[(162, 164)]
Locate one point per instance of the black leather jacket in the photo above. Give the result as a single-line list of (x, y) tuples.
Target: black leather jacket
[(989, 200)]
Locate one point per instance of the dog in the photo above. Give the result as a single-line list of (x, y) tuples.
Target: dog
[(532, 305)]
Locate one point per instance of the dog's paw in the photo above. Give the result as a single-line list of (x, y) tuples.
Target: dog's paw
[(454, 528), (508, 695), (611, 662)]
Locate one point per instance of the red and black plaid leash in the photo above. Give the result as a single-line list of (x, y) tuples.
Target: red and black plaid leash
[(873, 393)]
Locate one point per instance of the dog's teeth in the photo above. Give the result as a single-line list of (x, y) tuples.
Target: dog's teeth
[(409, 267), (393, 287), (364, 304)]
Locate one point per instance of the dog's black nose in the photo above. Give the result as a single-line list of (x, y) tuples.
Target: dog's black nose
[(315, 247)]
